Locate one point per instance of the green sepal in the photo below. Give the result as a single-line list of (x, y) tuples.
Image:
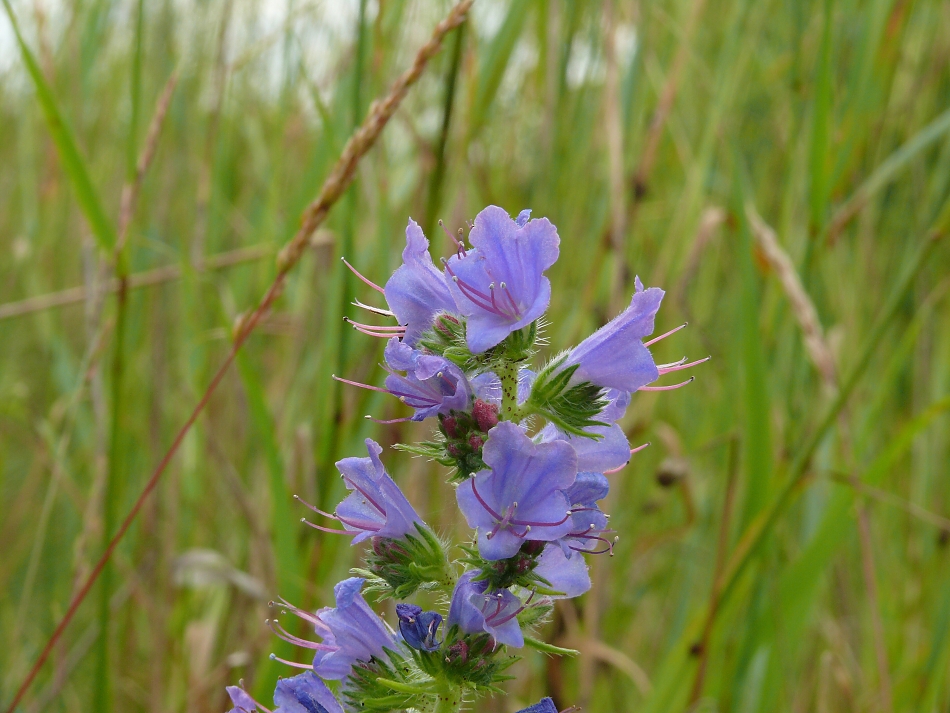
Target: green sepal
[(381, 686), (446, 337), (571, 408), (398, 568), (517, 570), (547, 648)]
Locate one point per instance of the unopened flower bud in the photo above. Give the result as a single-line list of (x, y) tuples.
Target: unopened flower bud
[(476, 442), (485, 415), (459, 651), (450, 426)]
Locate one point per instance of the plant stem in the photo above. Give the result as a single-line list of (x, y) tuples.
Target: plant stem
[(449, 701), (508, 373)]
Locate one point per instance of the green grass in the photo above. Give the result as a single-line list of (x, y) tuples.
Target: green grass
[(831, 116)]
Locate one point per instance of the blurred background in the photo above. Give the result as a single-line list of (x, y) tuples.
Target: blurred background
[(776, 166)]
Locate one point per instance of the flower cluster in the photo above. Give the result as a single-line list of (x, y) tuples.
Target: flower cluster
[(530, 451)]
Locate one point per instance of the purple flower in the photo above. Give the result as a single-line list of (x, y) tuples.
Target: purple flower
[(376, 507), (243, 703), (499, 285), (475, 610), (545, 705), (614, 356), (417, 291), (521, 497), (566, 573), (610, 451), (432, 384), (588, 522), (304, 693), (617, 402), (351, 632), (419, 628)]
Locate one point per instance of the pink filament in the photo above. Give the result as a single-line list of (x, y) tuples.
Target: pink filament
[(668, 388), (374, 327), (375, 310), (389, 421), (330, 530), (664, 336), (459, 245), (680, 367), (367, 281), (274, 657), (282, 633), (357, 383)]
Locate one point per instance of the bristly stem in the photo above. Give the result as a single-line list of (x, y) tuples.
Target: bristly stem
[(449, 700), (508, 373)]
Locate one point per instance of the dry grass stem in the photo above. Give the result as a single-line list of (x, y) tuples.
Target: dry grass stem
[(804, 310), (147, 278)]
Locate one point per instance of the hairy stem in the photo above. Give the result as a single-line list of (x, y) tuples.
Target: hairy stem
[(508, 373)]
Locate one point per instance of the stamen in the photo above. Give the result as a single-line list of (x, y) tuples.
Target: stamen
[(482, 501), (672, 363), (491, 290), (680, 367), (379, 335), (315, 508), (296, 611), (499, 622), (315, 526), (374, 327), (364, 279), (371, 526), (511, 299), (386, 422), (282, 633), (668, 388), (542, 524), (621, 467), (275, 657), (366, 495), (375, 310), (474, 295), (459, 245), (357, 383), (664, 336), (639, 448)]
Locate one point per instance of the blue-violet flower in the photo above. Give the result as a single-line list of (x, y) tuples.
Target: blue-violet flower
[(475, 610), (304, 693), (376, 507), (432, 384), (417, 291), (419, 628), (545, 705), (499, 285), (351, 632), (521, 496), (614, 356)]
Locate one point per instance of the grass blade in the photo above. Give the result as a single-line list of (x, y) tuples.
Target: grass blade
[(73, 162)]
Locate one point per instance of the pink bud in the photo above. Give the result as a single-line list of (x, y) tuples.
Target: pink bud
[(485, 415)]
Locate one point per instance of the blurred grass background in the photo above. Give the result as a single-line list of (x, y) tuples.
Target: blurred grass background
[(653, 134)]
